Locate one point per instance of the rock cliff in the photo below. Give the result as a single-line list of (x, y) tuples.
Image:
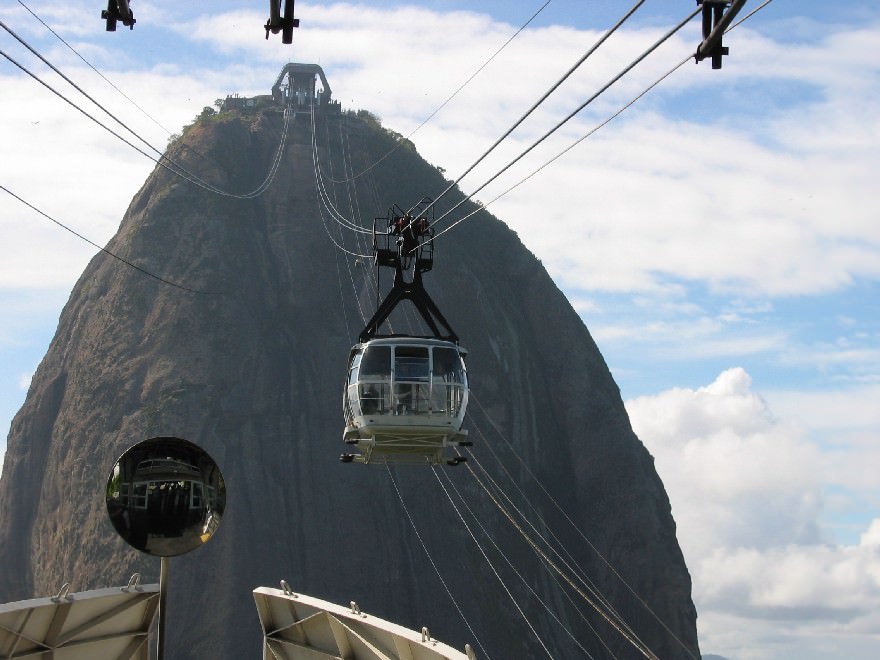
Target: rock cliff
[(251, 369)]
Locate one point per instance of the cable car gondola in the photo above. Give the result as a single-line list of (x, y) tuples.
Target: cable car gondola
[(405, 396)]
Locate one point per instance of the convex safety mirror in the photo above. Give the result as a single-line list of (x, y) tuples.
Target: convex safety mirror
[(165, 496)]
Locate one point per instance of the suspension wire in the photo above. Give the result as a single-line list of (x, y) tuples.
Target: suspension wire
[(622, 109), (346, 164), (489, 562), (574, 526), (639, 646), (431, 559), (543, 98), (570, 565), (323, 196), (748, 16), (581, 576), (89, 64), (559, 125), (401, 140), (105, 250), (170, 165), (463, 501), (482, 206)]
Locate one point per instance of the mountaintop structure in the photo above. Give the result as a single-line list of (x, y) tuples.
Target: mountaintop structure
[(242, 348)]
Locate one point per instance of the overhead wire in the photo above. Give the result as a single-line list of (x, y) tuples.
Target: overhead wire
[(640, 647), (621, 110), (324, 199), (162, 160), (93, 68), (433, 564), (143, 271), (582, 578), (609, 119), (545, 96), (572, 114), (493, 569), (401, 140), (537, 597), (574, 526)]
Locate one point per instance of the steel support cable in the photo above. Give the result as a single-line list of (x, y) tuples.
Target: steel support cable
[(588, 584), (748, 16), (574, 570), (568, 118), (582, 577), (363, 244), (433, 565), (516, 572), (320, 192), (105, 250), (170, 165), (491, 566), (159, 161), (595, 129), (541, 100), (574, 526), (319, 179), (322, 188), (570, 563), (641, 648), (455, 93), (345, 157), (92, 67)]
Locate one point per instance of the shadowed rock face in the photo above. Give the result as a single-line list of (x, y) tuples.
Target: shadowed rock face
[(252, 371)]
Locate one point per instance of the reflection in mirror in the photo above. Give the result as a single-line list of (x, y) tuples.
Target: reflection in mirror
[(165, 496)]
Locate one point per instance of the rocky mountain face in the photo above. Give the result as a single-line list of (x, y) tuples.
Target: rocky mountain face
[(251, 368)]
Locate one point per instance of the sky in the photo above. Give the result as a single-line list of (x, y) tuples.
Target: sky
[(720, 238)]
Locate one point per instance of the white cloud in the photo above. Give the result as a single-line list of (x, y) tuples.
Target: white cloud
[(756, 180), (643, 201), (748, 489)]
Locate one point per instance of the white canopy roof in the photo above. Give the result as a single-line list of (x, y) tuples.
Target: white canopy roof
[(299, 627), (111, 624)]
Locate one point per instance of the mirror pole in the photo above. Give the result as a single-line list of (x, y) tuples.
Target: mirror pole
[(163, 593)]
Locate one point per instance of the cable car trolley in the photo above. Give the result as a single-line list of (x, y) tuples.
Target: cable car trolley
[(405, 396)]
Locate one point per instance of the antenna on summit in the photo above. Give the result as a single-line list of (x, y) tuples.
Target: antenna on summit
[(283, 24)]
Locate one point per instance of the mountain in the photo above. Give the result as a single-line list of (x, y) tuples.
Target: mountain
[(248, 361)]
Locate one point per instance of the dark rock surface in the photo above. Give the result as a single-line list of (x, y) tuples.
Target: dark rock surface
[(252, 372)]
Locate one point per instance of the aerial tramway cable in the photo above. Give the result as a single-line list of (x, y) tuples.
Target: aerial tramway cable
[(163, 161), (601, 601), (144, 271), (537, 597), (494, 571), (640, 647), (93, 68), (574, 526), (565, 120), (544, 97), (401, 140), (433, 564), (625, 107)]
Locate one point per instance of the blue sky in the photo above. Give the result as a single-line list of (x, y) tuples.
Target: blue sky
[(720, 239)]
